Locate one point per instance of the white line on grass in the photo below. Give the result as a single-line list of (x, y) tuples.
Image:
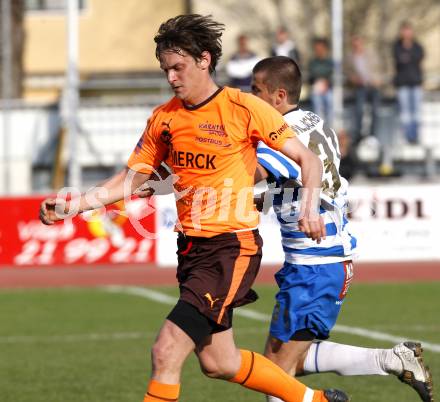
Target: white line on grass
[(115, 336), (167, 299), (257, 316), (112, 336)]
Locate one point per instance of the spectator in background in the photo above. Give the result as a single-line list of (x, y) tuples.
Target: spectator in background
[(408, 55), (285, 46), (240, 65), (349, 162), (320, 79), (364, 78)]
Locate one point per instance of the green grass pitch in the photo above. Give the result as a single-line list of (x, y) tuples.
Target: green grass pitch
[(88, 345)]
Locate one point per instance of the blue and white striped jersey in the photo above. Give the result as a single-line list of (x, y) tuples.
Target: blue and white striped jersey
[(339, 244)]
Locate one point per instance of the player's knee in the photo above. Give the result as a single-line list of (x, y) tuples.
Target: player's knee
[(223, 369), (161, 354)]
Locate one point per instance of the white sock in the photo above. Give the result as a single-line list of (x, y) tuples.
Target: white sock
[(350, 360)]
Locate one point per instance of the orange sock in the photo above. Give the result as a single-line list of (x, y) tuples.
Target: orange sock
[(260, 374), (158, 392)]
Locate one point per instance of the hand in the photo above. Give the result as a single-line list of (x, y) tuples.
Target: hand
[(320, 86), (313, 228), (48, 214)]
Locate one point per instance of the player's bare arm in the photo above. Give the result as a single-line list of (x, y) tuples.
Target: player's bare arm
[(310, 221), (116, 188), (260, 174)]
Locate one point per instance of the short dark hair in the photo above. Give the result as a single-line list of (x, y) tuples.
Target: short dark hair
[(406, 24), (192, 33), (321, 41), (281, 72)]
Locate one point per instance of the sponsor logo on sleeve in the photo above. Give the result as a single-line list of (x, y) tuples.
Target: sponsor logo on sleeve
[(274, 135)]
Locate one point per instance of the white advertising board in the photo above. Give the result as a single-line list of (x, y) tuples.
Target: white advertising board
[(396, 222), (390, 222), (166, 216)]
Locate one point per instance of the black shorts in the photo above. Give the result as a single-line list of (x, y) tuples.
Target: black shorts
[(216, 274)]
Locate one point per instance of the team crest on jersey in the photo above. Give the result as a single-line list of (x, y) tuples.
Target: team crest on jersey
[(165, 136)]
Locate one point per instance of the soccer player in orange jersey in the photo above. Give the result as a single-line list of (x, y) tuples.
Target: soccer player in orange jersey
[(209, 136)]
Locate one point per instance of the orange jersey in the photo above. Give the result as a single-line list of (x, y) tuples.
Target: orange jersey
[(212, 148)]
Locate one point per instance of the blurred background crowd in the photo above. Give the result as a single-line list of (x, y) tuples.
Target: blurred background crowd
[(76, 91), (364, 79)]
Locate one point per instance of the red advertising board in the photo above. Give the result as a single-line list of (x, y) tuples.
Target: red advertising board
[(122, 233)]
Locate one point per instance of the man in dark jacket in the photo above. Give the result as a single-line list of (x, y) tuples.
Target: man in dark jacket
[(320, 79), (408, 55)]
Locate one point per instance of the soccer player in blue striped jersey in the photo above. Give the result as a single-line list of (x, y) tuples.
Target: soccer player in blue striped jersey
[(315, 276)]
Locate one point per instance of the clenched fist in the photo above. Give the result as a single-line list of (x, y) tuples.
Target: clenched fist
[(50, 210)]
